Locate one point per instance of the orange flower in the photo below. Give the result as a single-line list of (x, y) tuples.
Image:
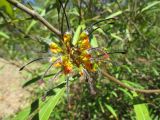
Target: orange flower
[(89, 66), (67, 37), (85, 56), (57, 63), (54, 48), (67, 65), (83, 42), (67, 69)]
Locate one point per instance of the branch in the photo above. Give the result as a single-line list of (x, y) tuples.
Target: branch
[(128, 87), (35, 15)]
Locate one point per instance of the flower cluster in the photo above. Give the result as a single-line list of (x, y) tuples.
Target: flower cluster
[(73, 56), (67, 57)]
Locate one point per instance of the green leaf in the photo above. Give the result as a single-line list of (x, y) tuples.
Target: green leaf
[(100, 104), (110, 108), (34, 22), (150, 5), (126, 93), (94, 42), (155, 71), (116, 36), (134, 94), (7, 7), (127, 68), (141, 111), (77, 33), (4, 35), (42, 13), (114, 93), (44, 107), (23, 115), (133, 84), (29, 111), (74, 12), (33, 80), (114, 15), (46, 110), (100, 30), (128, 34)]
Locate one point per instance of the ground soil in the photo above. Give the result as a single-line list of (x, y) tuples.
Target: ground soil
[(12, 96)]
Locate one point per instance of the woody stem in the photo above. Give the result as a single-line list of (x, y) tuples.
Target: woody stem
[(35, 15)]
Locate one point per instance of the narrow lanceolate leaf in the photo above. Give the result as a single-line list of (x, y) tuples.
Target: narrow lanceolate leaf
[(34, 22), (94, 42), (76, 34), (141, 112), (116, 37), (150, 5), (7, 7), (23, 115), (46, 110), (3, 34), (111, 109), (126, 93), (101, 106), (113, 15)]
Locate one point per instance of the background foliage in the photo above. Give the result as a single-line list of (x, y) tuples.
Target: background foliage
[(135, 28)]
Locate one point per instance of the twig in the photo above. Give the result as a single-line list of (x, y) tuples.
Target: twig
[(35, 15), (128, 87)]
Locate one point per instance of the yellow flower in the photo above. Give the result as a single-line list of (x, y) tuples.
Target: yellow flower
[(83, 42), (67, 37), (57, 63), (67, 69), (67, 65), (85, 56), (89, 66), (54, 48)]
